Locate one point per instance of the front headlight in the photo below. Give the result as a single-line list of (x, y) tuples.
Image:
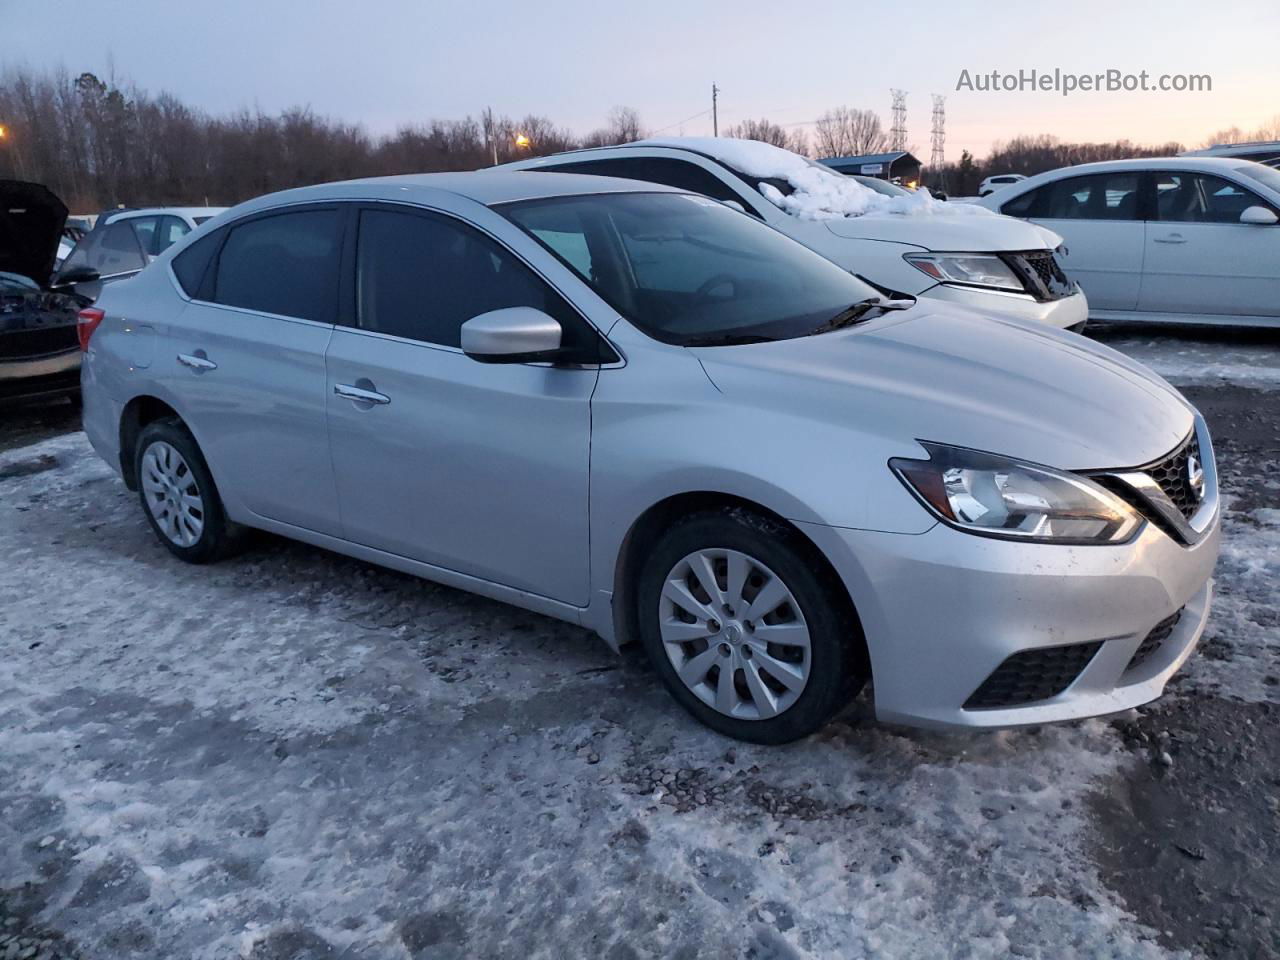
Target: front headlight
[(973, 269), (997, 497)]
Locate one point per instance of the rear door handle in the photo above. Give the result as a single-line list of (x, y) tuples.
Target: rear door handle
[(352, 392), (197, 361)]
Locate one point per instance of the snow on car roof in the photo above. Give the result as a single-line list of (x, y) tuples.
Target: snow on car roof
[(818, 193)]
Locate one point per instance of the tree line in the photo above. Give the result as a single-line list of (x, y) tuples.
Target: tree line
[(99, 144)]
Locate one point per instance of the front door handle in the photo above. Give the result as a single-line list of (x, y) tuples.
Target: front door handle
[(360, 394), (1171, 238), (197, 361)]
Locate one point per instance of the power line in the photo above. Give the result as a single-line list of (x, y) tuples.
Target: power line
[(701, 113)]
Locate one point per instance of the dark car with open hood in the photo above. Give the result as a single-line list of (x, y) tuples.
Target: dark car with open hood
[(39, 347)]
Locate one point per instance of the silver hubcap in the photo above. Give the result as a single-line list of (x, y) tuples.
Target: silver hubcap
[(734, 633), (171, 494)]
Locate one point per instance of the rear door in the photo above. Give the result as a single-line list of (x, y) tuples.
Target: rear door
[(246, 357), (1200, 258), (475, 467), (1100, 219)]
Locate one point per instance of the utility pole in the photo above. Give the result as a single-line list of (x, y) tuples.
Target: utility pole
[(715, 116)]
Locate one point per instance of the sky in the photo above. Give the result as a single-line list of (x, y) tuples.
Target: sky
[(384, 63)]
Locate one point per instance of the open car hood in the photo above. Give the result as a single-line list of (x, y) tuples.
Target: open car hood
[(31, 221)]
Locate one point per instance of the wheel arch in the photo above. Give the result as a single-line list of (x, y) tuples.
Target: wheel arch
[(138, 412), (647, 528)]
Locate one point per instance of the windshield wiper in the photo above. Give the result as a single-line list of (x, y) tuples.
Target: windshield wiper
[(857, 312), (727, 340)]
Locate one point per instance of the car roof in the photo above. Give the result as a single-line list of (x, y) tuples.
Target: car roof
[(1148, 163), (114, 215), (489, 187)]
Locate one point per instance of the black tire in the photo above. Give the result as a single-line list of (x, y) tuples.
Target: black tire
[(219, 537), (838, 667)]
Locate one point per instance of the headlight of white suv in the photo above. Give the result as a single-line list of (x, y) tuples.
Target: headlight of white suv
[(998, 497), (972, 269)]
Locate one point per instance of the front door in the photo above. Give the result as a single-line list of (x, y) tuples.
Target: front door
[(1200, 258), (1100, 220), (478, 468)]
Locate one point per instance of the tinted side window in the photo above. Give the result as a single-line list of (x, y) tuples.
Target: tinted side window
[(170, 231), (117, 251), (145, 228), (1201, 198), (422, 276), (664, 170), (1103, 196), (286, 263), (192, 265), (84, 254), (1025, 205)]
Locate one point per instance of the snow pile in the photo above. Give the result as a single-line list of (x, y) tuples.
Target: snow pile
[(819, 193)]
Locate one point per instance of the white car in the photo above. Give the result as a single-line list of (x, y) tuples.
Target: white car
[(122, 242), (992, 184), (1172, 240), (1261, 151), (911, 244)]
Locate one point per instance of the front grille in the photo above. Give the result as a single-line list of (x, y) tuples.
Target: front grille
[(38, 342), (1032, 675), (1041, 274), (1174, 476), (1153, 640)]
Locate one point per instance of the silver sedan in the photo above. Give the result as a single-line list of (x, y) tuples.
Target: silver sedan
[(638, 410)]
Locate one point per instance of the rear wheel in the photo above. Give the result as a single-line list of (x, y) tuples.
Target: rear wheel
[(746, 627), (178, 496)]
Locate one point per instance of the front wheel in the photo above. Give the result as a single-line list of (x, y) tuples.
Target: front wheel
[(747, 628)]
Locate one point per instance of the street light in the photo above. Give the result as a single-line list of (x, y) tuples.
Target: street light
[(4, 131), (522, 141)]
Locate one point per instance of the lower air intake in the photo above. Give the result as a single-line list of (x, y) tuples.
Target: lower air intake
[(1032, 675)]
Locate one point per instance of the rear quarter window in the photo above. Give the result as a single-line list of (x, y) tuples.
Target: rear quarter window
[(191, 266)]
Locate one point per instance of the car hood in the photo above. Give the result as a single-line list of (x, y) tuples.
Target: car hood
[(31, 221), (966, 233), (951, 376)]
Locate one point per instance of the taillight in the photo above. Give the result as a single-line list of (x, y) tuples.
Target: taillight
[(88, 322)]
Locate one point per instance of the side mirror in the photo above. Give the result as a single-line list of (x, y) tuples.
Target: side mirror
[(512, 335), (76, 275), (1258, 215)]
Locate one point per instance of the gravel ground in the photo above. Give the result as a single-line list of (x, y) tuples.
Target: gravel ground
[(295, 755)]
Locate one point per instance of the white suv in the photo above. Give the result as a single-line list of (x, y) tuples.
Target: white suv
[(992, 184), (122, 242), (908, 245)]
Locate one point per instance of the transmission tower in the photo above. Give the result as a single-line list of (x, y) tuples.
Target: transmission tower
[(898, 132), (938, 136)]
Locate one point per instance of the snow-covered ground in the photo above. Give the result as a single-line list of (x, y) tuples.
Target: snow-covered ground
[(292, 754)]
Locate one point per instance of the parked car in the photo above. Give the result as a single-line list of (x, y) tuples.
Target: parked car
[(1266, 152), (905, 244), (39, 353), (122, 242), (991, 184), (637, 410), (1171, 240)]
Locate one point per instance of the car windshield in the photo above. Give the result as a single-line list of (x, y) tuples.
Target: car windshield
[(883, 186), (690, 271), (1267, 176)]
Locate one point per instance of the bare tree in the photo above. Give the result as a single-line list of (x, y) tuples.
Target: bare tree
[(768, 132), (846, 131), (624, 127)]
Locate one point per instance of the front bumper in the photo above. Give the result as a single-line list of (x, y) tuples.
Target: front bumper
[(40, 378), (943, 609), (1068, 313)]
